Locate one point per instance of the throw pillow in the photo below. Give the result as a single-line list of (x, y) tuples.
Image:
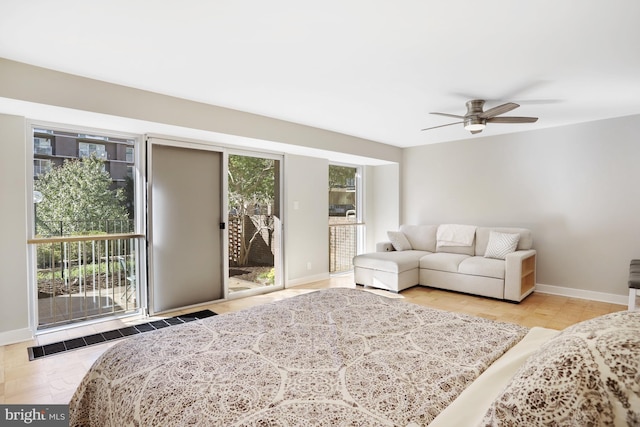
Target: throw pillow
[(399, 241), (586, 376), (501, 244)]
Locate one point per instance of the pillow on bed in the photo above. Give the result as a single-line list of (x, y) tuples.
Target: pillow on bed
[(589, 374), (399, 241), (501, 244)]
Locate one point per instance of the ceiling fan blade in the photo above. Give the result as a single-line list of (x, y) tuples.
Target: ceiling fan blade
[(441, 126), (512, 119), (449, 115), (496, 111)]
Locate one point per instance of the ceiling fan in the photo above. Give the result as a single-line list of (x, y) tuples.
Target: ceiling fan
[(475, 120)]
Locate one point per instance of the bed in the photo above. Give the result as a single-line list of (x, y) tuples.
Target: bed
[(350, 357)]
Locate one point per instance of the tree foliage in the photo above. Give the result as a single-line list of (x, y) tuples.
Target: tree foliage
[(251, 182), (340, 175), (77, 199)]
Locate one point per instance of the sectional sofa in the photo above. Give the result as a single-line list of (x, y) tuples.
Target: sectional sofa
[(496, 262)]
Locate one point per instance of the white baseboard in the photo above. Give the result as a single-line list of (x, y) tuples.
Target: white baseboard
[(582, 294), (17, 335), (307, 279)]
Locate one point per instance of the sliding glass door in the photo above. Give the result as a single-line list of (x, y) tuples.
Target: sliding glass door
[(255, 223), (185, 225)]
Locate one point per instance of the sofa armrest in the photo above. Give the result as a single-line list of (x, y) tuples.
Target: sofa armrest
[(384, 247), (519, 275)]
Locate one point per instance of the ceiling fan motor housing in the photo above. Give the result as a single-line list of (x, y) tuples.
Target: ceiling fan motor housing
[(474, 106), (472, 121)]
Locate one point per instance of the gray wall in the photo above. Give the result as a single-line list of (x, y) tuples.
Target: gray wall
[(381, 203), (576, 187), (14, 313), (306, 248)]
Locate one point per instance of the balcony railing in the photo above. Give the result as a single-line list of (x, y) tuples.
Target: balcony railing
[(343, 245), (85, 277), (69, 228), (43, 149)]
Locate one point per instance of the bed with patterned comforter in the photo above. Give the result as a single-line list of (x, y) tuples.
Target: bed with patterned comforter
[(335, 357)]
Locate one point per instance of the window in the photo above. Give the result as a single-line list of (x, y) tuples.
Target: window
[(342, 192), (86, 149), (129, 155), (88, 189), (42, 146), (41, 166), (101, 202), (345, 228)]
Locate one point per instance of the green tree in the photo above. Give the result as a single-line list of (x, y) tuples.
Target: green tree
[(341, 196), (340, 175), (251, 185), (77, 199)]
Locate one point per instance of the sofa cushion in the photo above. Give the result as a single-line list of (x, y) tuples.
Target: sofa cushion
[(442, 261), (399, 241), (501, 244), (393, 262), (481, 266), (421, 237), (482, 237)]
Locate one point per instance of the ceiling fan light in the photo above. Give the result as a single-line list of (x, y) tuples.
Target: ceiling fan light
[(474, 124)]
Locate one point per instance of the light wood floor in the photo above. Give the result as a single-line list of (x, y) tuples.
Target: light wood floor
[(53, 379)]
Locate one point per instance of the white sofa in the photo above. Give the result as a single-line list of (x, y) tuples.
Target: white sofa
[(426, 260)]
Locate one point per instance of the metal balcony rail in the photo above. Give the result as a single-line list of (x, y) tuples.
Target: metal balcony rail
[(343, 246), (86, 277)]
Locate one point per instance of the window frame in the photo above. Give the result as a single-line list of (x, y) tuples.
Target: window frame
[(139, 222)]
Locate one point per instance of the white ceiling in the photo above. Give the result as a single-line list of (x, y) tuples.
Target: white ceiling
[(368, 68)]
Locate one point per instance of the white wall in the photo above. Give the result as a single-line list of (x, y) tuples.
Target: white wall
[(306, 250), (382, 203), (576, 187), (14, 312)]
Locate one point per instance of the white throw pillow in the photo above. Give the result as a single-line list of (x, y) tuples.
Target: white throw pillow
[(501, 244), (399, 241)]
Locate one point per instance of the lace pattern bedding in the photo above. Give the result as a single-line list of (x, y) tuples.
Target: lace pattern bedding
[(335, 356), (588, 375)]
